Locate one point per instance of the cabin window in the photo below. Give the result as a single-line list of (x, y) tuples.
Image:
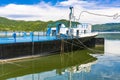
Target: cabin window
[(67, 32), (85, 31), (77, 33), (53, 32)]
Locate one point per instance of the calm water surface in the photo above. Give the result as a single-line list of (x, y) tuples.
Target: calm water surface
[(70, 67)]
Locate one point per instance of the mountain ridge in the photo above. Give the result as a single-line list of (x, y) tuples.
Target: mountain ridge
[(38, 25)]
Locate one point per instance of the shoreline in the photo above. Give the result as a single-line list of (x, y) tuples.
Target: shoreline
[(18, 59)]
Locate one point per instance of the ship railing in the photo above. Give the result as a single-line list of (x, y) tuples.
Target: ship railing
[(15, 35), (64, 36), (20, 33)]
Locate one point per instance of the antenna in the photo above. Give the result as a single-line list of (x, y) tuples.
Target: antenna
[(70, 18)]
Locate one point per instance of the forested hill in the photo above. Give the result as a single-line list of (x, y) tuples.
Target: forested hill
[(19, 25), (113, 27)]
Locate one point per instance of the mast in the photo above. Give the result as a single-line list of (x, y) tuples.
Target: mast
[(70, 18)]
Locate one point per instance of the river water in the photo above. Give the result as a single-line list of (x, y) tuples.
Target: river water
[(74, 66)]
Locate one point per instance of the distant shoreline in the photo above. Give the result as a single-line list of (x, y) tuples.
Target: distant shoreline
[(107, 32)]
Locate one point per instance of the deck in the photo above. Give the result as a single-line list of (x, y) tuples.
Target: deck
[(26, 39)]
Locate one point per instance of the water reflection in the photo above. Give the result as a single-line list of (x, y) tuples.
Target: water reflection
[(107, 68), (48, 68), (71, 73), (80, 68)]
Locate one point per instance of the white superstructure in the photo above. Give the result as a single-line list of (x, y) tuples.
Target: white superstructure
[(81, 30), (77, 30)]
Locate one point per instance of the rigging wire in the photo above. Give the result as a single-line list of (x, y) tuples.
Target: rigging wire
[(93, 50), (84, 46), (90, 49), (77, 46), (114, 16)]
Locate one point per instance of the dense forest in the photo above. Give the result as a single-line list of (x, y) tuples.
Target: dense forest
[(113, 27), (20, 25)]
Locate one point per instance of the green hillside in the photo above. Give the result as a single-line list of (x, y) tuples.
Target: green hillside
[(19, 25), (15, 25), (107, 27)]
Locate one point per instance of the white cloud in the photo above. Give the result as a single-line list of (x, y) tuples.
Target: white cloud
[(45, 11), (40, 11)]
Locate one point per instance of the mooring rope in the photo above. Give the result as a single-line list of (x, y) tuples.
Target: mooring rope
[(72, 51), (93, 50)]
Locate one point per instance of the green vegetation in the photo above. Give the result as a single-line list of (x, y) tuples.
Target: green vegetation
[(19, 25), (107, 27)]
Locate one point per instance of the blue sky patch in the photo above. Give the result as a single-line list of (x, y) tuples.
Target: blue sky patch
[(28, 2)]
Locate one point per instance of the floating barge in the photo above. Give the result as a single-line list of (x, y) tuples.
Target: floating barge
[(45, 46), (58, 39)]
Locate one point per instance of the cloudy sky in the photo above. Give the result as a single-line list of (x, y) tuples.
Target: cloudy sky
[(59, 9)]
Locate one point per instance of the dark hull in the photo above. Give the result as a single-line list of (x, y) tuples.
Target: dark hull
[(45, 47)]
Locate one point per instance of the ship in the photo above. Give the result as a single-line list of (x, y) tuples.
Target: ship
[(58, 39)]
